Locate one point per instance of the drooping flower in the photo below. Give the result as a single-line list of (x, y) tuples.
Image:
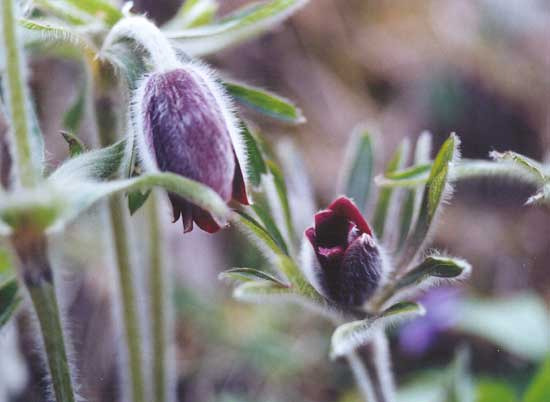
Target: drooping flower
[(188, 128), (347, 263)]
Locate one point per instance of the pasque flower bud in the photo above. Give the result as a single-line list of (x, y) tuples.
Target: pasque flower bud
[(187, 128), (347, 262)]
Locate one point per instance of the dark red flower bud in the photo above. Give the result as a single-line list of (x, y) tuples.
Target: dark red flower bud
[(189, 130), (348, 264)]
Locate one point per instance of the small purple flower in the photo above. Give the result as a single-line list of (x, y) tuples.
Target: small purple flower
[(348, 264), (187, 131), (416, 336)]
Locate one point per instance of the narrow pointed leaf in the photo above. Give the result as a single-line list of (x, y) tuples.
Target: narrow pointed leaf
[(358, 178), (385, 194), (265, 102), (136, 199), (436, 187), (437, 267), (412, 196), (406, 217), (463, 170), (350, 336), (9, 300), (76, 147), (100, 9), (237, 27), (282, 194), (64, 11), (194, 13), (51, 32), (250, 274), (270, 225), (264, 239), (260, 291), (73, 117), (97, 164), (529, 165), (256, 165)]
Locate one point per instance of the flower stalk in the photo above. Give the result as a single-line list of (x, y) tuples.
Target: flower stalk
[(106, 126), (157, 304), (16, 97), (36, 271), (28, 240)]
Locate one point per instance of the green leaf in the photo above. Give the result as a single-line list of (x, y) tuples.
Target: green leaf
[(79, 182), (250, 274), (73, 117), (259, 291), (282, 194), (529, 165), (350, 336), (100, 9), (63, 11), (495, 391), (385, 195), (237, 27), (412, 198), (50, 32), (260, 235), (194, 192), (358, 177), (136, 199), (5, 264), (270, 225), (92, 165), (9, 300), (406, 217), (265, 102), (412, 172), (434, 266), (256, 165), (436, 186), (76, 147), (194, 13), (539, 389), (517, 323), (128, 60)]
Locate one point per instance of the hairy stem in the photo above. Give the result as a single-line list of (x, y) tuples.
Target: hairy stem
[(106, 125), (132, 329), (371, 367), (15, 86), (362, 377), (38, 278), (157, 304)]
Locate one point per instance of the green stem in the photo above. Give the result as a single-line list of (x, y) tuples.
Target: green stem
[(107, 132), (157, 306), (16, 97), (38, 278), (128, 298), (370, 365)]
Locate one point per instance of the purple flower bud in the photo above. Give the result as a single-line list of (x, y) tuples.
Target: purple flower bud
[(187, 131), (348, 263)]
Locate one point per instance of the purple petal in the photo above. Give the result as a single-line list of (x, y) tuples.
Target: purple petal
[(345, 207)]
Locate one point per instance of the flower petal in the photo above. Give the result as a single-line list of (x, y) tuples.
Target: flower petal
[(343, 206), (239, 187), (205, 221)]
